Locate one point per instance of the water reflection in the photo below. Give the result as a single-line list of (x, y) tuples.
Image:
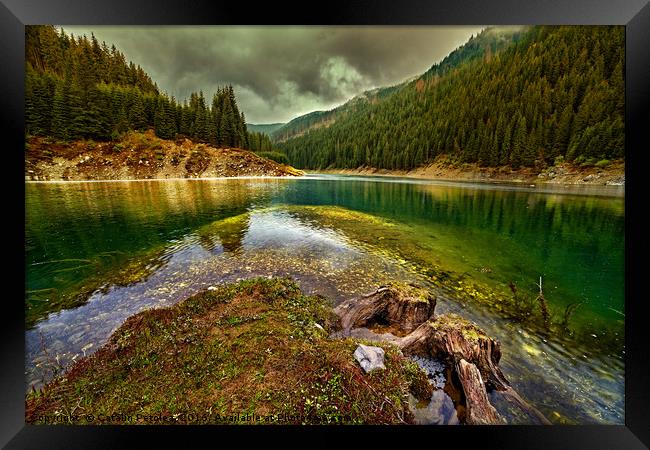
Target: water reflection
[(78, 234), (499, 234)]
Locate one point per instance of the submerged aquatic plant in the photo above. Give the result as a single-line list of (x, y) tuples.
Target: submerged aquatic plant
[(543, 306), (568, 312)]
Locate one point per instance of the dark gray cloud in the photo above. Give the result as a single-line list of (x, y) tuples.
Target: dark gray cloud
[(280, 72)]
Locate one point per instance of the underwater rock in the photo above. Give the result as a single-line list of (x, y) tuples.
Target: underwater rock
[(402, 307), (370, 358), (439, 411)]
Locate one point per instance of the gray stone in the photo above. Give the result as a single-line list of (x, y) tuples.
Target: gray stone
[(370, 358)]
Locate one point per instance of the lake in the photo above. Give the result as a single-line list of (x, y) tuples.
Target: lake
[(98, 252)]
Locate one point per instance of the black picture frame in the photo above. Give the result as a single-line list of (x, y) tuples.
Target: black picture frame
[(634, 14)]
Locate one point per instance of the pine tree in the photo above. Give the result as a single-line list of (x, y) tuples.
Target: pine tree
[(217, 108), (243, 131), (137, 115), (211, 127), (519, 143), (226, 126), (61, 111)]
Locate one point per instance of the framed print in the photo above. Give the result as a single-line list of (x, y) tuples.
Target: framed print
[(256, 219)]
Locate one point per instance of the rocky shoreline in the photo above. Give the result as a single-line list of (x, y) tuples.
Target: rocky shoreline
[(612, 174)]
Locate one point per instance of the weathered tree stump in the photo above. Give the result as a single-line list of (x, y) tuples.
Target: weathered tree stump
[(479, 409), (471, 354), (403, 307), (450, 338)]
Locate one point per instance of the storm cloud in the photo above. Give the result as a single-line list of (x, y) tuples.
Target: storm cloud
[(280, 72)]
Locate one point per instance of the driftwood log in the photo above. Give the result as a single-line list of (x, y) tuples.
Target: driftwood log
[(471, 354)]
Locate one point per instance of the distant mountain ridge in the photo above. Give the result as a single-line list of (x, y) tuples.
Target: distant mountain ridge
[(266, 128), (317, 119), (494, 39)]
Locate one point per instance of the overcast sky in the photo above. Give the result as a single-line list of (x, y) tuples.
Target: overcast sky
[(280, 72)]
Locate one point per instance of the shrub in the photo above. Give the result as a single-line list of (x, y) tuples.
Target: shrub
[(603, 163), (278, 157), (558, 160), (589, 162)]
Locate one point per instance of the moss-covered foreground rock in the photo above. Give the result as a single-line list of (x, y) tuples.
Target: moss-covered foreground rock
[(256, 351)]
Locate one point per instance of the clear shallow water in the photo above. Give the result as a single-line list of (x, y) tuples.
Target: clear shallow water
[(189, 234)]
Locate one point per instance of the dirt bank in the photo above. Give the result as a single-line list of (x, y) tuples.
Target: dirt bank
[(142, 156), (565, 173)]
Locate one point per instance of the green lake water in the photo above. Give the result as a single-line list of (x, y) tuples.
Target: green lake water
[(98, 252)]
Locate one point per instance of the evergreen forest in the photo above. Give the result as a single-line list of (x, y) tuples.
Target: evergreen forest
[(76, 87), (553, 93)]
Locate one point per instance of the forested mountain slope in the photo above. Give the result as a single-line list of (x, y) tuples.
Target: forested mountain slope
[(485, 42), (546, 92), (77, 88), (266, 128)]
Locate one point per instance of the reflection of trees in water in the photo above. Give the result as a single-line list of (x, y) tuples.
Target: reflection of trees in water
[(228, 232), (107, 223), (575, 242), (526, 215), (583, 232), (85, 219)]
